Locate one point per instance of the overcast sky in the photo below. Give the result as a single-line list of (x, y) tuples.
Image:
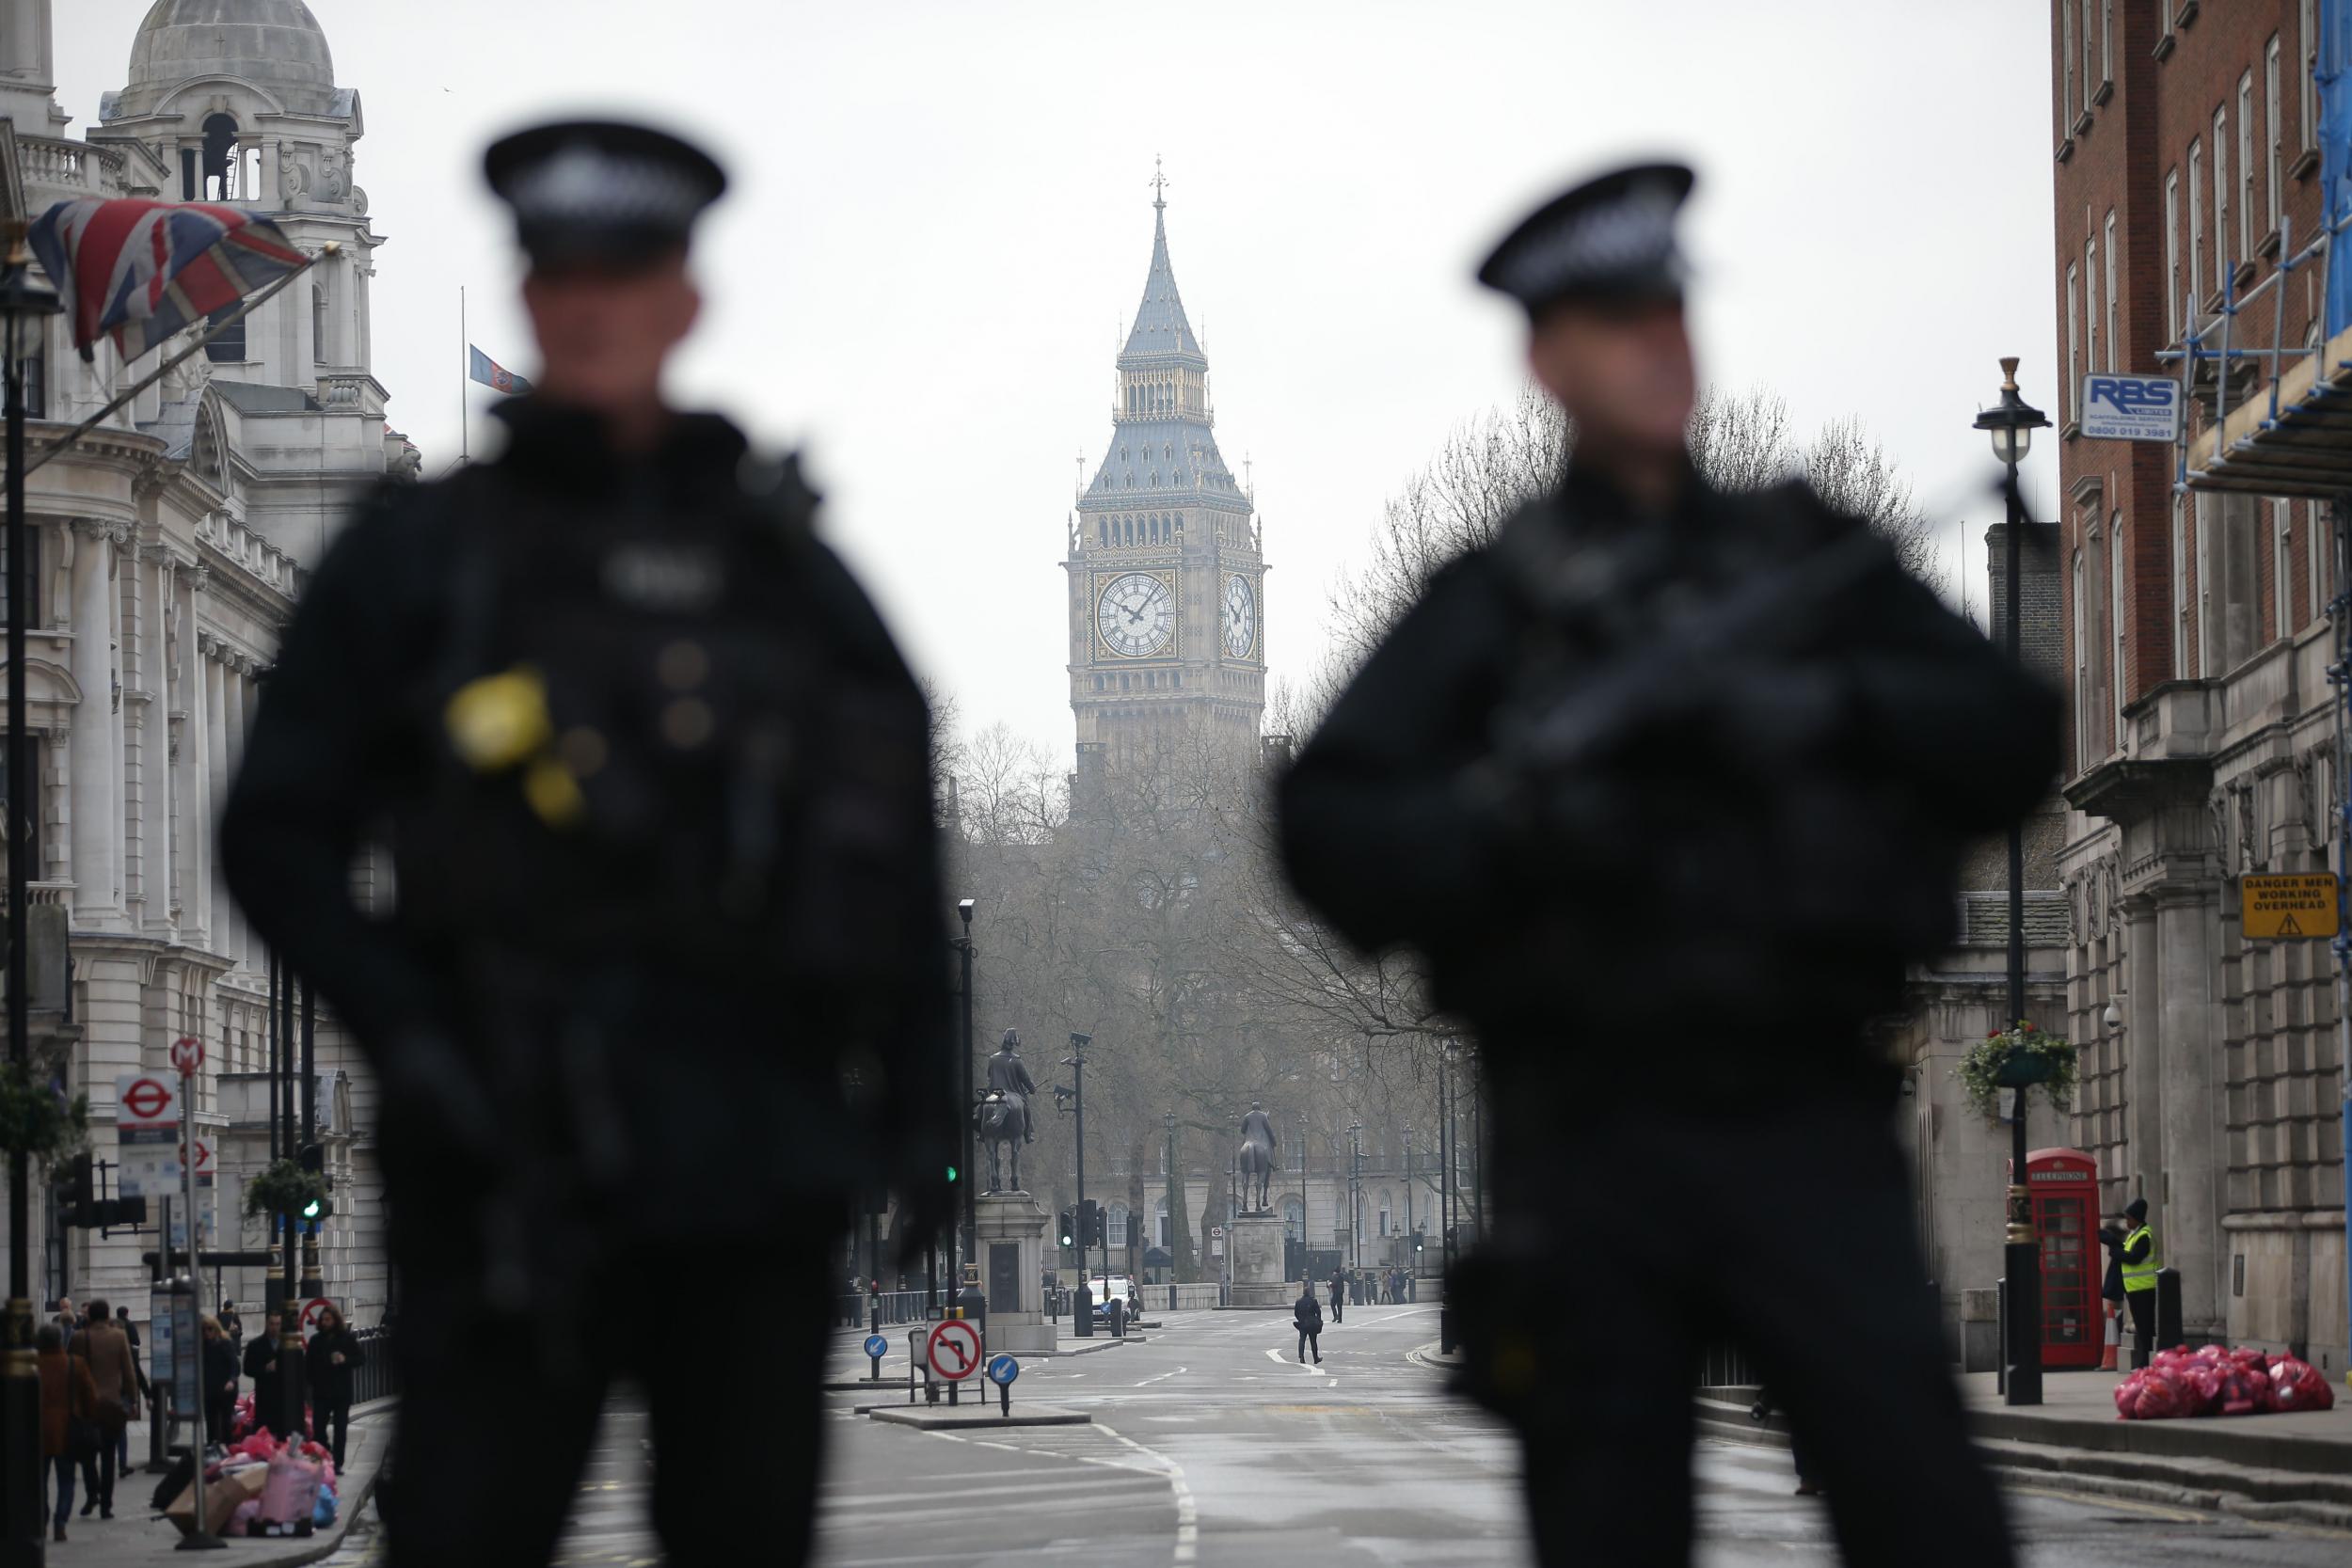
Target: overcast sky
[(942, 218)]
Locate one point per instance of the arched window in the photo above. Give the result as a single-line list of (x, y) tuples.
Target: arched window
[(1293, 1220), (1115, 1225), (1384, 1212)]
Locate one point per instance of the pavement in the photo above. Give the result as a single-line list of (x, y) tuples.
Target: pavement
[(137, 1535)]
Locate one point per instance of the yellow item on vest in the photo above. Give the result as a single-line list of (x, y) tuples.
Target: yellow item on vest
[(2142, 1274)]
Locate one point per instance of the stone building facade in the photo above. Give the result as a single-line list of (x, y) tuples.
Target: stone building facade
[(2187, 143), (170, 547)]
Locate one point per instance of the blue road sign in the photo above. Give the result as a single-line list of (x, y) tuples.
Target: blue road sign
[(876, 1345), (1002, 1369)]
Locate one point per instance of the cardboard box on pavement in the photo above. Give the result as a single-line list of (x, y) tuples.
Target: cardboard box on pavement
[(221, 1497)]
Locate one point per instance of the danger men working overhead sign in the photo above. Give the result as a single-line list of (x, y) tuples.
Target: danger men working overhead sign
[(2287, 905)]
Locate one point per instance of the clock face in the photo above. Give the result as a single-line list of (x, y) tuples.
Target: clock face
[(1136, 615), (1240, 617)]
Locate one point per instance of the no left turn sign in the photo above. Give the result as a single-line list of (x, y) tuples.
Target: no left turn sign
[(954, 1349)]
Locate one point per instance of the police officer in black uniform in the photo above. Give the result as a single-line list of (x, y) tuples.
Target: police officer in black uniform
[(658, 980), (1667, 786)]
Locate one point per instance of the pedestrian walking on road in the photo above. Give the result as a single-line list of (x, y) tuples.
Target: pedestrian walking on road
[(2139, 1268), (335, 1352), (261, 1365), (1309, 1315), (68, 1418), (117, 1377), (1339, 1295), (220, 1381), (1533, 773), (656, 787)]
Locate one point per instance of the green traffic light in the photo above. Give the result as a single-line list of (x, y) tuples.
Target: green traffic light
[(951, 1175), (311, 1210)]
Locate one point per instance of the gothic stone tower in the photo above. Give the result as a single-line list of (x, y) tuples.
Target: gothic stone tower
[(1167, 580)]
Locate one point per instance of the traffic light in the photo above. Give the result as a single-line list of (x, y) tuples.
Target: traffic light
[(82, 1209), (312, 1158), (953, 1175), (1090, 1223), (1068, 1230)]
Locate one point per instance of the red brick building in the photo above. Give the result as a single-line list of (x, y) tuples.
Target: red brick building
[(2187, 182)]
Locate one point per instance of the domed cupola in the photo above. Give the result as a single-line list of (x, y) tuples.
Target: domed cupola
[(275, 45)]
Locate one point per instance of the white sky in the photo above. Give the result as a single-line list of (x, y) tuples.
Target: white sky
[(941, 223)]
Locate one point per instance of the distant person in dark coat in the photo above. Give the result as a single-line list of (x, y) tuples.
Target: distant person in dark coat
[(1309, 1314), (67, 1397), (261, 1365), (2111, 1292), (116, 1372), (335, 1352), (220, 1381), (1338, 1296)]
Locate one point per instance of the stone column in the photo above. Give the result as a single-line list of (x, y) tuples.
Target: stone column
[(155, 771), (123, 568), (90, 756), (191, 774), (234, 695), (2184, 1207), (215, 775)]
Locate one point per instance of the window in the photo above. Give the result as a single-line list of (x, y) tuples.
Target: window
[(2116, 660), (1114, 1227), (2106, 41), (29, 822), (2245, 167), (2228, 569), (2067, 99), (2282, 565), (2082, 671), (2091, 59), (2115, 345), (2180, 588), (2317, 550), (1160, 1224), (2196, 238), (2171, 257), (2306, 80), (32, 582), (2067, 393), (1293, 1220), (2220, 200), (2274, 151), (2090, 305), (228, 348)]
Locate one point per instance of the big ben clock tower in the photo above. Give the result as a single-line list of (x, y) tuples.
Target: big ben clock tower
[(1167, 578)]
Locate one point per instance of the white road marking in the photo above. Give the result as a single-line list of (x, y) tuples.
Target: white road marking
[(1187, 1513), (1163, 1377)]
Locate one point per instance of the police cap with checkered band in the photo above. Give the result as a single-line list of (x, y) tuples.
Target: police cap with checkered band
[(601, 193), (1609, 238)]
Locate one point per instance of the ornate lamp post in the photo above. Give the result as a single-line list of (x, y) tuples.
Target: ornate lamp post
[(1175, 1197), (2012, 423), (1355, 1196), (24, 302)]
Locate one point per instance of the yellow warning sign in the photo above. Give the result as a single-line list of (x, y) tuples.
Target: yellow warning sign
[(2289, 904)]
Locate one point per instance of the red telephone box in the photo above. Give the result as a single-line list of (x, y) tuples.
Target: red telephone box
[(2063, 1184)]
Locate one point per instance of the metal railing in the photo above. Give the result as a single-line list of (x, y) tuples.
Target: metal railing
[(896, 1306), (373, 1379)]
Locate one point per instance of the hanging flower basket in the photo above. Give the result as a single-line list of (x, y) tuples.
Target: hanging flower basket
[(285, 1188), (36, 1120), (2017, 1058)]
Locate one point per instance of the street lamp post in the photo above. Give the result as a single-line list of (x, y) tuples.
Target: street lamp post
[(2012, 423), (1175, 1193), (1408, 1183), (25, 302), (1355, 1196), (962, 1172)]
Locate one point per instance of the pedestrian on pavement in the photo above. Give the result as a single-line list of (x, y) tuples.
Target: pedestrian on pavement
[(220, 1381), (656, 787), (69, 1322), (1533, 772), (2138, 1269), (147, 1391), (116, 1374), (335, 1352), (68, 1418), (1339, 1295), (2111, 1288), (231, 1324), (261, 1365), (1309, 1315)]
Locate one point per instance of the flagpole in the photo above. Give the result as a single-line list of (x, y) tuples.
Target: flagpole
[(59, 446), (464, 367)]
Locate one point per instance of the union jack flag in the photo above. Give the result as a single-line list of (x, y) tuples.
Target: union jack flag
[(143, 271)]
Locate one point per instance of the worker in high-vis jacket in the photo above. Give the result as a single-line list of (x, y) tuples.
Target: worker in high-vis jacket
[(2141, 1264)]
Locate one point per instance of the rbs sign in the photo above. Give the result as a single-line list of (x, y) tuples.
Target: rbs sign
[(2131, 408)]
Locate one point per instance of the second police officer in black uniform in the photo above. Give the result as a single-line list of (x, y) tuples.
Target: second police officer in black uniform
[(1668, 785), (659, 981)]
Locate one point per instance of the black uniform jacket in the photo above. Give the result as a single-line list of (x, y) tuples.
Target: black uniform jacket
[(760, 967), (1647, 892)]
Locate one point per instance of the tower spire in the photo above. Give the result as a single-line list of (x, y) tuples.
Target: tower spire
[(1159, 185)]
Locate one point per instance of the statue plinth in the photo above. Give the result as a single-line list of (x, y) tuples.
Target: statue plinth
[(1254, 1247), (1009, 1228)]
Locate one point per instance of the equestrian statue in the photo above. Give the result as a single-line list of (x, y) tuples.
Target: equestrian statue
[(1002, 1116), (1257, 1156)]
